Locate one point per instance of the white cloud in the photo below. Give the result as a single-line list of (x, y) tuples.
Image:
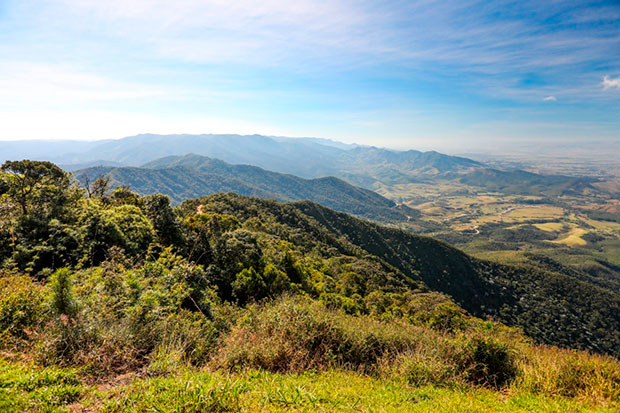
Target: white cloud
[(30, 83), (91, 124), (610, 82), (550, 99)]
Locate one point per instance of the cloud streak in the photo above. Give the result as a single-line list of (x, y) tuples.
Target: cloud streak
[(289, 62), (611, 83)]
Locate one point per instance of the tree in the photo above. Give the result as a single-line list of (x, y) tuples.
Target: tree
[(62, 301), (36, 183), (97, 188), (164, 221), (249, 285)]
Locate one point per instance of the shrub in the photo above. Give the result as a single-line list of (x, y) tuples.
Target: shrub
[(21, 305), (249, 285), (61, 300), (486, 361), (295, 334)]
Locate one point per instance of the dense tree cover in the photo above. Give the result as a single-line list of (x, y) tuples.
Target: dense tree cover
[(158, 260), (192, 176), (105, 286)]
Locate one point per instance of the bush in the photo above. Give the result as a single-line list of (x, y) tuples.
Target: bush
[(295, 334), (486, 361), (61, 299), (21, 305)]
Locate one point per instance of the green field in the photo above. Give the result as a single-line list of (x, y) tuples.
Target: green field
[(504, 227), (24, 388)]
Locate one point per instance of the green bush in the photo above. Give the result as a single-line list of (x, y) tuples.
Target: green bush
[(486, 361), (21, 305), (295, 334), (61, 299)]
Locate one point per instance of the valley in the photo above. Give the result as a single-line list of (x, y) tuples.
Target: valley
[(551, 208), (414, 271), (575, 230)]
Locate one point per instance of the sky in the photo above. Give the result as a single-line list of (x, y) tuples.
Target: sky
[(450, 75)]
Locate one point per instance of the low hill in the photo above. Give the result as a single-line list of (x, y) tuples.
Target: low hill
[(364, 166), (305, 157), (193, 176), (523, 182)]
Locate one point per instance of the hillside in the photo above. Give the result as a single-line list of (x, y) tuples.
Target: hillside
[(364, 166), (193, 176), (523, 296), (111, 301), (305, 157)]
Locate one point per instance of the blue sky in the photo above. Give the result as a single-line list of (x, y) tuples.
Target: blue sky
[(447, 75)]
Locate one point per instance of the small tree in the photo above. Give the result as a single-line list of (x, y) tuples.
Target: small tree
[(164, 221), (62, 301)]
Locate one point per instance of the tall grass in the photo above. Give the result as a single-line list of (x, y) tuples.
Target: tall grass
[(296, 334)]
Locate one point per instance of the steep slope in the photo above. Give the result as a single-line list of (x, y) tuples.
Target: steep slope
[(192, 176), (550, 307)]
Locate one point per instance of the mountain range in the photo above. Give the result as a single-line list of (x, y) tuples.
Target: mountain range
[(192, 176), (365, 166)]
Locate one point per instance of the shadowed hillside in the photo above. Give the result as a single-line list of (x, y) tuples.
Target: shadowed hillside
[(193, 176)]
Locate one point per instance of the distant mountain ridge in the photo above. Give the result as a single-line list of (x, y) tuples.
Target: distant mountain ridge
[(305, 157), (364, 166), (191, 176)]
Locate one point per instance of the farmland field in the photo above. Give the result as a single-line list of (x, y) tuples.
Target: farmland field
[(581, 232)]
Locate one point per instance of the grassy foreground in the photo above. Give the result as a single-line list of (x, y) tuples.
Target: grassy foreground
[(25, 388)]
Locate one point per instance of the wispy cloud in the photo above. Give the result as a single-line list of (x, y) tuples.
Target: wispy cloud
[(610, 82), (303, 59), (56, 83)]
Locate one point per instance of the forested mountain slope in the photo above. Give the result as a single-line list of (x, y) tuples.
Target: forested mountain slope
[(305, 157), (193, 176), (550, 307), (112, 301)]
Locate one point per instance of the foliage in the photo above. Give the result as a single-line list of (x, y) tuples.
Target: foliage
[(29, 388), (21, 305), (300, 334), (230, 283), (62, 301)]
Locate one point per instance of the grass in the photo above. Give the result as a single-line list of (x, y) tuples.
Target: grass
[(25, 387), (573, 238), (550, 226), (535, 212), (295, 354), (332, 390)]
